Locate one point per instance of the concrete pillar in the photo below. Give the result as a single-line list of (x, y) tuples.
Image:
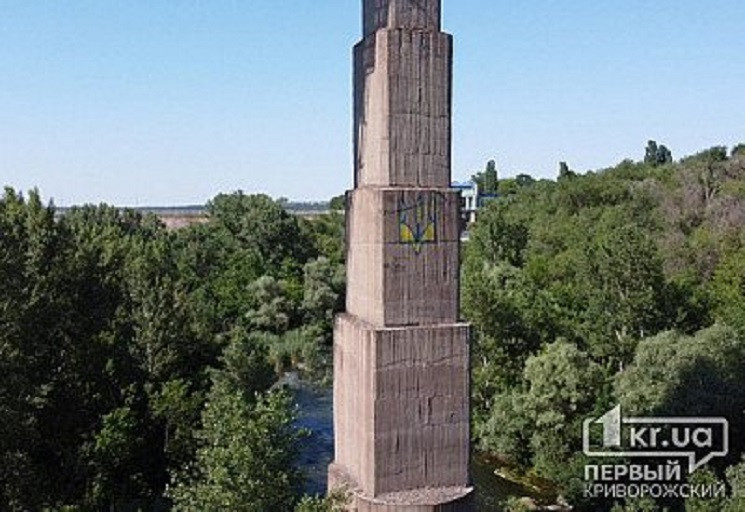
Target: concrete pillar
[(401, 356)]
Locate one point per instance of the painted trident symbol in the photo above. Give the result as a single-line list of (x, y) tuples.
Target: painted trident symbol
[(418, 222)]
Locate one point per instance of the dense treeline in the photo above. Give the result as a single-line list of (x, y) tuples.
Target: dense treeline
[(139, 366), (625, 286), (136, 361)]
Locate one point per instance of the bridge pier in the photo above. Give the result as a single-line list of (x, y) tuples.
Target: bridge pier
[(401, 355)]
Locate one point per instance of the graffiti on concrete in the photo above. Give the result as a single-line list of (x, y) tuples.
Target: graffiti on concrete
[(417, 221)]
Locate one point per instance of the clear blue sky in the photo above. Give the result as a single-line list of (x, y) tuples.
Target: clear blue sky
[(142, 102)]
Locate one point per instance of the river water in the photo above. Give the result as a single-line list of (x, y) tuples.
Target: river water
[(315, 413)]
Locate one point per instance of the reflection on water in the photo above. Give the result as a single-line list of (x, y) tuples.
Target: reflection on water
[(315, 415)]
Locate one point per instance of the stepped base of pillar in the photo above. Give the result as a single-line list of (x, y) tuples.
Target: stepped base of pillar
[(440, 499)]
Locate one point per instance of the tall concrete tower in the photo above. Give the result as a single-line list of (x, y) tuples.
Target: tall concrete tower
[(401, 357)]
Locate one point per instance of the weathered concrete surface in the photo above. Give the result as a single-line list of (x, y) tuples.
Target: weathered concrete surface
[(400, 415), (401, 418), (401, 357), (394, 280), (403, 109)]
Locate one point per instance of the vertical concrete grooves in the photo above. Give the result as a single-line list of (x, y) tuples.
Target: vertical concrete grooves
[(372, 148), (403, 109), (354, 386), (401, 357), (364, 65), (420, 89), (421, 418), (404, 423)]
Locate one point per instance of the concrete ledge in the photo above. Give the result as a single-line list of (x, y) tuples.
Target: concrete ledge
[(441, 499)]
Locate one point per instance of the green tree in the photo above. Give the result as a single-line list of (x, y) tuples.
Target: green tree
[(497, 238), (564, 385), (524, 180), (269, 308), (246, 462), (247, 443), (114, 455), (258, 222), (539, 423), (323, 291), (626, 288), (736, 481), (338, 203), (506, 427), (657, 155), (511, 317), (705, 477), (728, 290), (327, 235), (33, 309), (677, 375), (565, 172), (488, 180), (177, 405), (333, 503)]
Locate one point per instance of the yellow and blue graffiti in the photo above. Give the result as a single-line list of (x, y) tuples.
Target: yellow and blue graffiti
[(418, 222)]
